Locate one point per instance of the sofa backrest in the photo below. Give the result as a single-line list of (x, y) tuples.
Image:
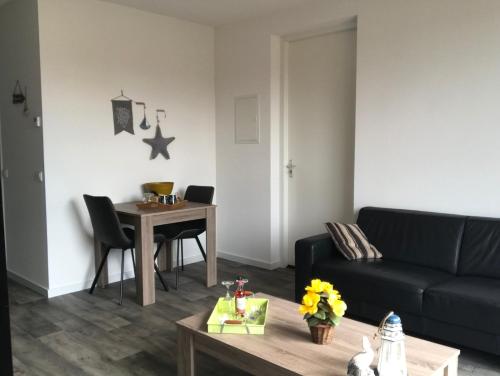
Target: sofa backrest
[(427, 239), (480, 253)]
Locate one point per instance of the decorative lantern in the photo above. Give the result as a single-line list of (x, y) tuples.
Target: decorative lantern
[(392, 355)]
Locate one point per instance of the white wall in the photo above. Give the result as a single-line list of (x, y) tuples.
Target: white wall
[(243, 170), (427, 113), (90, 50), (22, 145)]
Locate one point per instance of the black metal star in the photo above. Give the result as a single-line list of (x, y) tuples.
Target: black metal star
[(159, 144)]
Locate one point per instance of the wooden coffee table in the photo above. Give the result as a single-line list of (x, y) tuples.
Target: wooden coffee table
[(286, 347)]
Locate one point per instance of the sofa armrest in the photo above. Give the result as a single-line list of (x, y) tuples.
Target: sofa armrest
[(309, 251)]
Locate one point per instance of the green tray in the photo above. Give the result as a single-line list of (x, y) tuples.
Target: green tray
[(224, 310)]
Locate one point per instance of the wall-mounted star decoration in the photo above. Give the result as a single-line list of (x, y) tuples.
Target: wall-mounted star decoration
[(159, 144)]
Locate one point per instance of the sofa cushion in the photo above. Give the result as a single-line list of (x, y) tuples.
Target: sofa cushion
[(421, 238), (392, 284), (351, 241), (472, 302), (480, 253)]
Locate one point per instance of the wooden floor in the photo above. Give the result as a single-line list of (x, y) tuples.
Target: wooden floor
[(82, 334)]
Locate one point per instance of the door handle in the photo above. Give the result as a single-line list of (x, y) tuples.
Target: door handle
[(39, 176), (290, 166), (38, 121)]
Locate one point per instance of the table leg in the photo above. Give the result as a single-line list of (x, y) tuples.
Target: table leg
[(144, 255), (186, 365), (211, 250), (452, 368), (165, 257), (99, 252)]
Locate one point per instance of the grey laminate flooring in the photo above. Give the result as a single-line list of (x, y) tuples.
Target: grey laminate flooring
[(82, 334)]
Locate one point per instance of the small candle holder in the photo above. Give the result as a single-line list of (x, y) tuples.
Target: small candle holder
[(227, 285)]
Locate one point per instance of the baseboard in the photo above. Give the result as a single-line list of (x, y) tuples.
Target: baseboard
[(115, 277), (74, 287), (191, 259), (249, 261), (26, 282)]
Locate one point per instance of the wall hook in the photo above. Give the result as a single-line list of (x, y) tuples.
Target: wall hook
[(158, 112), (17, 95), (144, 123)]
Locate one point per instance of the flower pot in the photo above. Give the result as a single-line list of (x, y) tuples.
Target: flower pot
[(322, 334)]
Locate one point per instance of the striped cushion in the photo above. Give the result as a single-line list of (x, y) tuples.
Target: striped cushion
[(351, 241)]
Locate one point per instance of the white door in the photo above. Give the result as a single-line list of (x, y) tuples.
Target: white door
[(321, 110)]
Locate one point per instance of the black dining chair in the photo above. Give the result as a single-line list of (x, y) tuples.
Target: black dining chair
[(109, 231), (187, 230)]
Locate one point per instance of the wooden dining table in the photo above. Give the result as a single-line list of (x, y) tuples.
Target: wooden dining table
[(144, 221)]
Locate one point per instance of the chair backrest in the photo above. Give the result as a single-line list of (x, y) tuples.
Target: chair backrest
[(105, 222), (199, 193)]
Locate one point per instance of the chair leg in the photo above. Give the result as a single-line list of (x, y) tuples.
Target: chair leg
[(103, 261), (135, 270), (158, 249), (157, 270), (177, 267), (121, 278), (201, 248), (182, 254), (133, 260)]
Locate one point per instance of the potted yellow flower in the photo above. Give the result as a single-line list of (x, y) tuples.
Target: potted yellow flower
[(323, 308)]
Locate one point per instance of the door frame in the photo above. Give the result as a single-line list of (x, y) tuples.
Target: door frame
[(344, 25), (6, 367)]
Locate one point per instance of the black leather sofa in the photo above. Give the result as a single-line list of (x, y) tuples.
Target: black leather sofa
[(439, 272)]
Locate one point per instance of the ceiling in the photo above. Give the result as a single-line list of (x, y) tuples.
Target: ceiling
[(213, 12)]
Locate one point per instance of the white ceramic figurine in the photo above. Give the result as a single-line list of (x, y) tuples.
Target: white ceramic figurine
[(360, 363)]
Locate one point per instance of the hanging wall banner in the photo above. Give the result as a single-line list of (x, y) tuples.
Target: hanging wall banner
[(122, 114)]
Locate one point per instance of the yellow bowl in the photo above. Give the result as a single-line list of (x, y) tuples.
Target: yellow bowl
[(160, 188)]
